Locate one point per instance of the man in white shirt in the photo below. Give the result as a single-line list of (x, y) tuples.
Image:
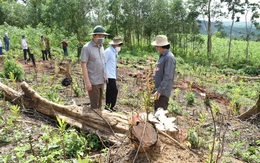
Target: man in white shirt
[(24, 47), (111, 70)]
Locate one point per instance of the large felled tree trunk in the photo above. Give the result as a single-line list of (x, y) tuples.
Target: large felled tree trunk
[(254, 111), (110, 126)]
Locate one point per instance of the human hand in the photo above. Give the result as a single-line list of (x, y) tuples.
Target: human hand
[(88, 86), (156, 95)]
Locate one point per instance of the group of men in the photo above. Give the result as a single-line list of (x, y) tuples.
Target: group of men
[(45, 46), (99, 67)]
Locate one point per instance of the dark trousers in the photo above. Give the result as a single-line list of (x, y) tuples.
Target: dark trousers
[(111, 93), (32, 57), (6, 46), (65, 50), (48, 51), (44, 55), (25, 51), (162, 102)]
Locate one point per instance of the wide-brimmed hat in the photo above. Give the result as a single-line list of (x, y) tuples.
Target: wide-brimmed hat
[(160, 40), (116, 41), (99, 30)]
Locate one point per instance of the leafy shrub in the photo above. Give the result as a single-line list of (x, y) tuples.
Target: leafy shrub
[(193, 138), (252, 70), (175, 108), (190, 98), (75, 143), (12, 68)]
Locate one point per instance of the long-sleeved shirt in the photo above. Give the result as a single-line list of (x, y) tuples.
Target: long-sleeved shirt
[(42, 44), (164, 73), (111, 62), (6, 39)]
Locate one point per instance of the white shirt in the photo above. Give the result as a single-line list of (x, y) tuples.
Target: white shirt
[(1, 44), (111, 62), (24, 44)]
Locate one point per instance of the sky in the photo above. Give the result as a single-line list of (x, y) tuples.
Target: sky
[(242, 17)]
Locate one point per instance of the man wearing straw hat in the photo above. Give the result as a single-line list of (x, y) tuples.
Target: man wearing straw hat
[(111, 70), (164, 72), (93, 67)]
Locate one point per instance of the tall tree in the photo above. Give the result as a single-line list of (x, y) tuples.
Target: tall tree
[(254, 8), (71, 17), (220, 29), (210, 10), (234, 7), (114, 16)]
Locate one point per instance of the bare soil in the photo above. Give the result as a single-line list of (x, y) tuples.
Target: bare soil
[(128, 101)]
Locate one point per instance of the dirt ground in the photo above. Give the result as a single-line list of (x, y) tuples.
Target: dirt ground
[(165, 150)]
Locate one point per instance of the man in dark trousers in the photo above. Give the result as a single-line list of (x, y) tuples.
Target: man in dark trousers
[(164, 72), (6, 41), (111, 70)]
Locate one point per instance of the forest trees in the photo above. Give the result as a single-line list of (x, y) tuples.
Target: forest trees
[(137, 21)]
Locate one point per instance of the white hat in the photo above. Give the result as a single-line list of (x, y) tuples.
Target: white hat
[(160, 40), (116, 41)]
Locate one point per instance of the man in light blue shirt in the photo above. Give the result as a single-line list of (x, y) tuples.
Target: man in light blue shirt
[(111, 70)]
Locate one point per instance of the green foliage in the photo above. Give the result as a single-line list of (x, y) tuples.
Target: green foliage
[(12, 70), (75, 144), (174, 107), (85, 160), (190, 98), (146, 86), (76, 89), (94, 141), (237, 148), (202, 118), (193, 138), (15, 110)]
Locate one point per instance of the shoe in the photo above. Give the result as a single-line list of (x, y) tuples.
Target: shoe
[(111, 109)]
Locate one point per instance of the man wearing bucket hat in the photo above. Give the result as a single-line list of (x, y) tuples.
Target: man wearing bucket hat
[(164, 72), (93, 67), (111, 70)]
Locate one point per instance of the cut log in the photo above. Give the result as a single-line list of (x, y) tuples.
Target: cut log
[(110, 126), (143, 135), (254, 111)]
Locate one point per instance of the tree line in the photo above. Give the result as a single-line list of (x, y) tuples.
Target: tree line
[(137, 21)]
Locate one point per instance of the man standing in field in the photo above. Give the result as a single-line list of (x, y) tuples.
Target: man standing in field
[(93, 67), (6, 41), (111, 70), (25, 48), (42, 44), (164, 72)]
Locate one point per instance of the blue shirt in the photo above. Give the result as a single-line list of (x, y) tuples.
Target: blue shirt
[(6, 39), (164, 73), (111, 62)]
